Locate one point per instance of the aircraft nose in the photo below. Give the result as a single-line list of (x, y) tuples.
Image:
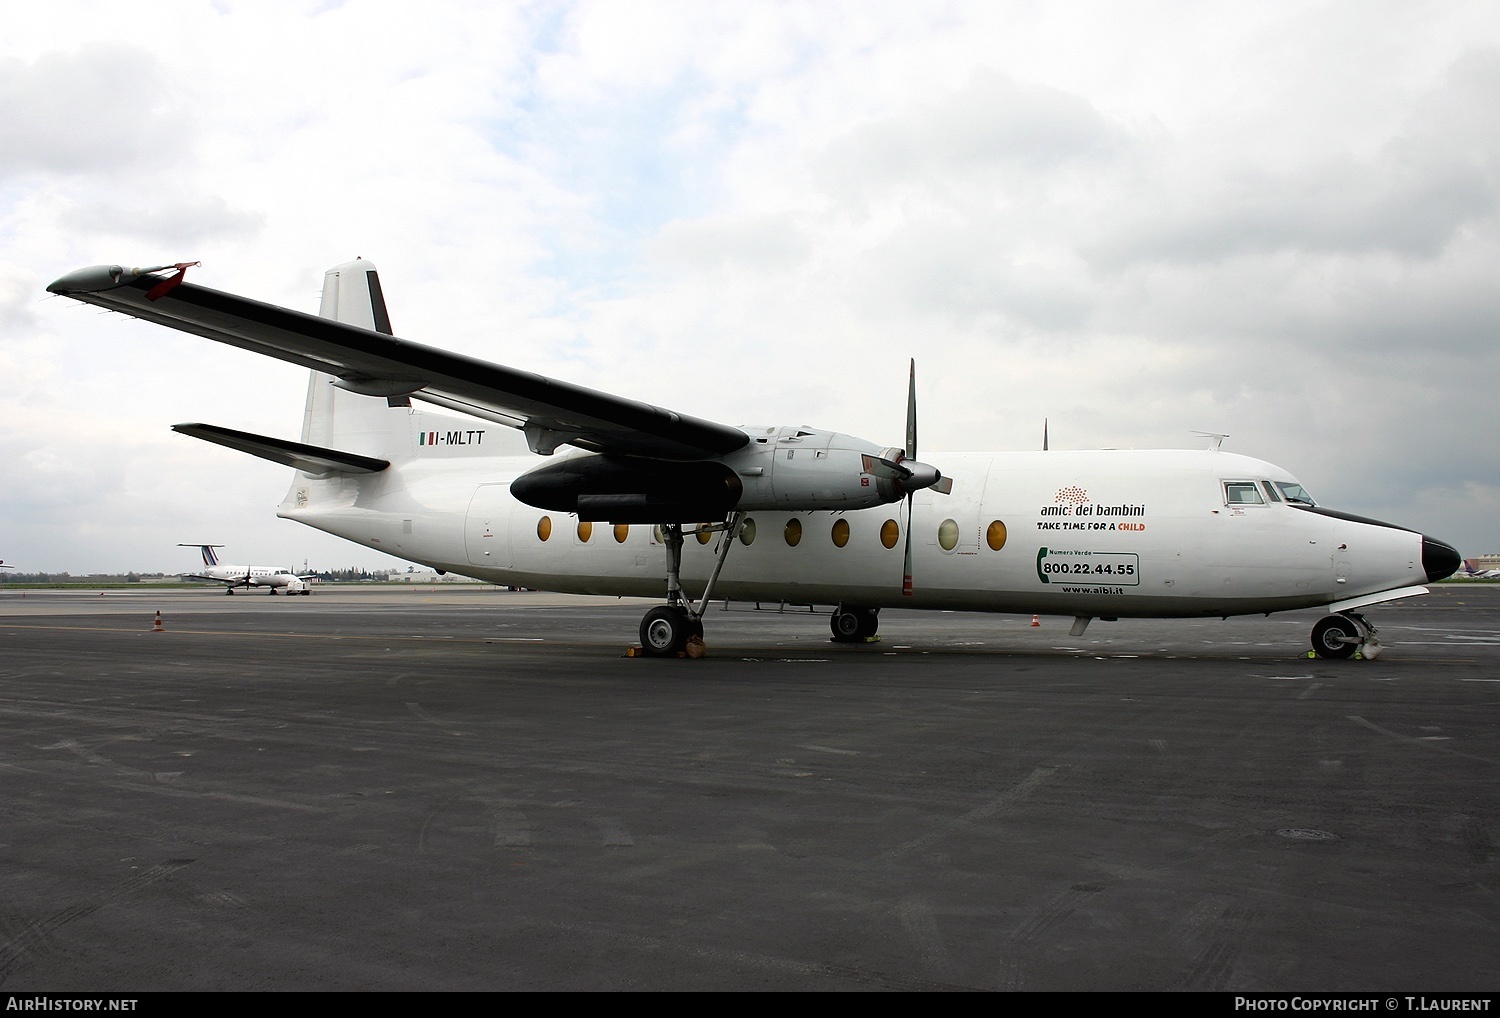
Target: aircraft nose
[(1440, 560)]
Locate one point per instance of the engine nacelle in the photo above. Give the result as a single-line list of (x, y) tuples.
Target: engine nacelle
[(625, 489), (788, 469), (800, 469)]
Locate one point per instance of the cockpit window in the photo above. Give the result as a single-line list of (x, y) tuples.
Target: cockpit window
[(1295, 493), (1270, 490), (1242, 493)]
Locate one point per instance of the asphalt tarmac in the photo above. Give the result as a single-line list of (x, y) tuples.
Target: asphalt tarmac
[(471, 789)]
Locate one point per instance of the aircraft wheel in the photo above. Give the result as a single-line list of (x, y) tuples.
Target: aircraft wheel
[(229, 591), (272, 592), (853, 625), (1335, 637), (844, 624), (665, 630)]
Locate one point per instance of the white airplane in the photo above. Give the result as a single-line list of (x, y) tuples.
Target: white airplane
[(811, 517), (273, 577), (1470, 570)]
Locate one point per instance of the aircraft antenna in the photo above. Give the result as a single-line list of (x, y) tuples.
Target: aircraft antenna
[(1216, 440)]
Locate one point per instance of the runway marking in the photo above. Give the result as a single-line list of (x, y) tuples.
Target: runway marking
[(1415, 741), (1022, 789), (829, 749)]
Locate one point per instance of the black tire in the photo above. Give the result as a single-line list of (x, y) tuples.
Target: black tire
[(1335, 637), (845, 624), (664, 631), (229, 591), (854, 624)]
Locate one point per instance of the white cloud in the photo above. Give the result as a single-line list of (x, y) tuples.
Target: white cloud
[(1137, 220)]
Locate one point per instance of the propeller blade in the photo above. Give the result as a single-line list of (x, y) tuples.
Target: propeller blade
[(906, 585), (911, 413), (943, 486), (878, 466)]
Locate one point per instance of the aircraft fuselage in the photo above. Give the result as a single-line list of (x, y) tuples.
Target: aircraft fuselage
[(1098, 534)]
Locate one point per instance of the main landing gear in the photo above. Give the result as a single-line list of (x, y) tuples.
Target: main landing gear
[(666, 629), (1340, 636), (853, 624)]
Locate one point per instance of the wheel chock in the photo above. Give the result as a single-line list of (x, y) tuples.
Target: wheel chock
[(694, 648)]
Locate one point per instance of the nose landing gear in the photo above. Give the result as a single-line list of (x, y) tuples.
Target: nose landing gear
[(1341, 636)]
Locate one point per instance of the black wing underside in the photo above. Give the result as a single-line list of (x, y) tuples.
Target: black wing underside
[(550, 411)]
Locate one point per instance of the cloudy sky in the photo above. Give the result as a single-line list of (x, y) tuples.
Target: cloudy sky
[(1136, 220)]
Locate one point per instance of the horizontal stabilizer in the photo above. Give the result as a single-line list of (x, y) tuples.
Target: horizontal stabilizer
[(310, 459)]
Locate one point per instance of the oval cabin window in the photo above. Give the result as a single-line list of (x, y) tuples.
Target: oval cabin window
[(747, 532), (544, 528), (890, 533), (840, 533), (948, 534), (585, 531), (622, 531), (995, 536), (793, 532)]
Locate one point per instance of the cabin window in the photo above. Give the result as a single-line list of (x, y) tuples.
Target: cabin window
[(544, 528), (747, 532), (1270, 490), (793, 532), (890, 533), (622, 531), (1242, 493), (704, 533), (948, 534), (994, 536), (840, 533), (1295, 493), (585, 531)]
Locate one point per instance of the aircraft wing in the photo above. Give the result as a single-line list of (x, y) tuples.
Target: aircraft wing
[(551, 412), (236, 582)]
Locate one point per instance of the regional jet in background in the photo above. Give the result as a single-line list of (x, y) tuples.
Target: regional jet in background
[(1470, 570), (273, 577), (650, 502)]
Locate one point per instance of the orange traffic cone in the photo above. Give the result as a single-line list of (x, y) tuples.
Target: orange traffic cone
[(158, 627), (1036, 620)]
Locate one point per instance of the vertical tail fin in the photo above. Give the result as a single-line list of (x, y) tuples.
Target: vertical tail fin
[(209, 557), (336, 418)]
